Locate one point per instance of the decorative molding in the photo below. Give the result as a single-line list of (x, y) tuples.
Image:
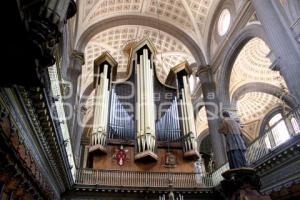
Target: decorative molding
[(19, 159)]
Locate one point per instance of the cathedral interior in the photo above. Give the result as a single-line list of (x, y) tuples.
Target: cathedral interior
[(125, 99)]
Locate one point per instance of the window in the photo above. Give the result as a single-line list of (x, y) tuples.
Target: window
[(277, 131), (295, 125), (224, 22)]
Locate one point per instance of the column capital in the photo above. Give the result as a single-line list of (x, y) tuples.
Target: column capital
[(203, 69), (78, 55), (205, 74)]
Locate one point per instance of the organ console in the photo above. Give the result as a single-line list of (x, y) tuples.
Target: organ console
[(142, 108)]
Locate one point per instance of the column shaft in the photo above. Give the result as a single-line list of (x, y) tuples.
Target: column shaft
[(282, 41), (212, 110)]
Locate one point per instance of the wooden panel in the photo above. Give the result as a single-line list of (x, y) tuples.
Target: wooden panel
[(109, 162)]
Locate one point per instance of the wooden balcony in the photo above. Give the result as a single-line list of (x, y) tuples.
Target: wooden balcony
[(133, 179)]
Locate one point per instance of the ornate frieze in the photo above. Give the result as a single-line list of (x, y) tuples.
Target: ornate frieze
[(19, 166)]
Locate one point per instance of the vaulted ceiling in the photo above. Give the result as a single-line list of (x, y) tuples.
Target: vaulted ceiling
[(188, 15), (192, 17), (253, 65)]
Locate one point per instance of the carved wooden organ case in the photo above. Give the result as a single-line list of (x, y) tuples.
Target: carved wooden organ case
[(139, 107)]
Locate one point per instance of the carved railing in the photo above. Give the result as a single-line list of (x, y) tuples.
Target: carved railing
[(257, 151), (269, 142), (261, 148), (217, 175), (134, 179)]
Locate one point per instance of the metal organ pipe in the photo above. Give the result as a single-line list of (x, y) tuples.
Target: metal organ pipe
[(167, 126), (121, 124), (188, 122), (145, 117), (101, 111), (189, 107)]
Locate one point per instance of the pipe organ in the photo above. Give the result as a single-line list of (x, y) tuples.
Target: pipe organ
[(179, 75), (140, 107), (168, 126), (102, 82), (121, 123), (145, 108)]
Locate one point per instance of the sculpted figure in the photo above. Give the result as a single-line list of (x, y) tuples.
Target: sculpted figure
[(235, 144)]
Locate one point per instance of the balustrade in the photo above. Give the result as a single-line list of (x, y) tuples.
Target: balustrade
[(116, 178)]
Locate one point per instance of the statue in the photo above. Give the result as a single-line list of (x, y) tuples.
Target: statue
[(235, 144), (239, 182)]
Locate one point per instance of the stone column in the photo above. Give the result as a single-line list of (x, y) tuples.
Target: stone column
[(282, 42), (212, 110), (72, 101)]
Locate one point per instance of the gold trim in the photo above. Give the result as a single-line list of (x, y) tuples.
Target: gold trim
[(129, 71), (143, 42), (174, 70), (131, 50), (111, 61), (105, 57), (182, 66), (164, 83)]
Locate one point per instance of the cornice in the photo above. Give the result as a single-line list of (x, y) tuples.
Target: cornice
[(21, 153)]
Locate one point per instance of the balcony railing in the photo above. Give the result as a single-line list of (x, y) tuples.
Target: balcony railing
[(255, 152), (262, 147), (271, 140), (134, 179)]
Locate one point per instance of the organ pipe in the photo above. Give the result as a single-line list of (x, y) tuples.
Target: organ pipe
[(101, 112), (103, 70), (145, 119), (121, 124), (187, 120), (167, 127)]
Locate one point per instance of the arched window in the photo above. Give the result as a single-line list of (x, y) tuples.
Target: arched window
[(276, 131)]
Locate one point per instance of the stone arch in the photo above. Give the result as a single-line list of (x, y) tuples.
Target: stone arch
[(202, 135), (264, 88), (100, 26), (249, 32)]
